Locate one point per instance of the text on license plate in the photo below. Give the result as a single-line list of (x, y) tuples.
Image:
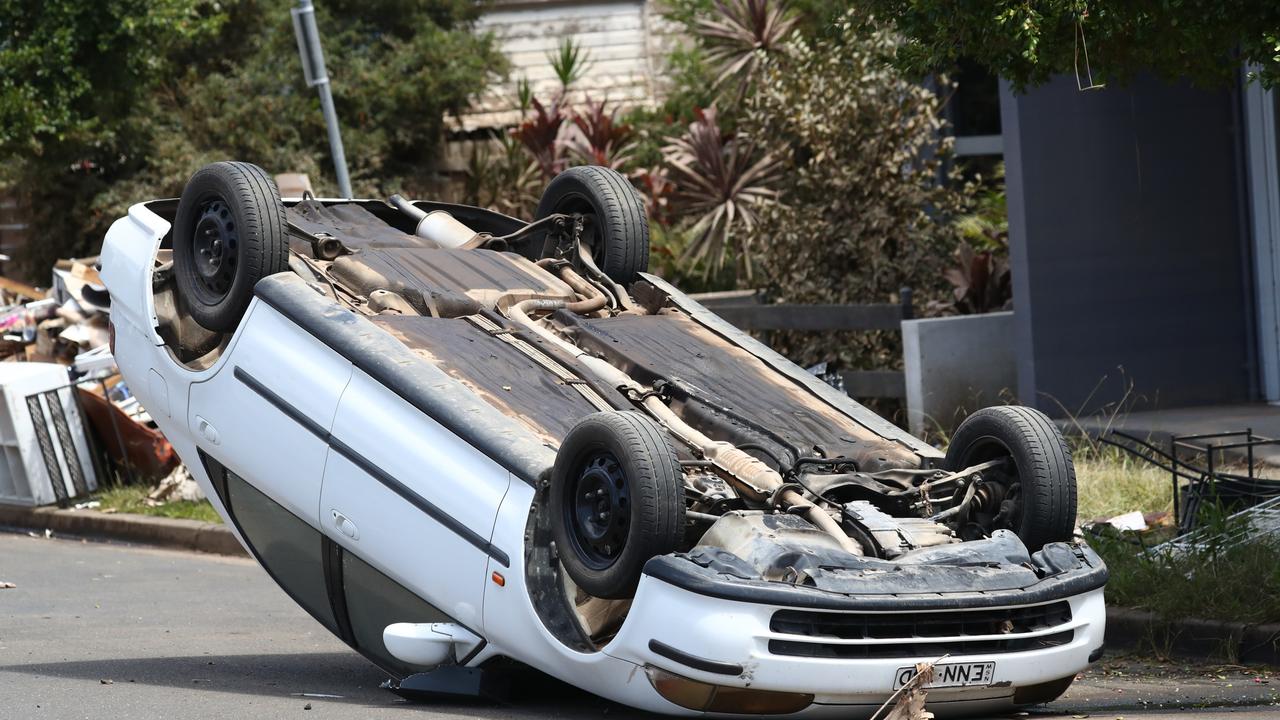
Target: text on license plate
[(950, 675)]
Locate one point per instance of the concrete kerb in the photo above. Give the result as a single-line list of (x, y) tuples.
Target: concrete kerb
[(1193, 637), (163, 532)]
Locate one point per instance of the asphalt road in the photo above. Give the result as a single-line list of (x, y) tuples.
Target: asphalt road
[(109, 631)]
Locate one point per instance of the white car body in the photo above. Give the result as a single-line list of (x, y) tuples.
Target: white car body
[(365, 469)]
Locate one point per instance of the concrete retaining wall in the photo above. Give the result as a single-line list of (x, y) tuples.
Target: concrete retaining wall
[(955, 365)]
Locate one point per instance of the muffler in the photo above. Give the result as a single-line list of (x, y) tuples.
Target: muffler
[(437, 226)]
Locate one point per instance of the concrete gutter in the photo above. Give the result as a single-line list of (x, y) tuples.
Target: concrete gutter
[(1191, 637), (173, 533)]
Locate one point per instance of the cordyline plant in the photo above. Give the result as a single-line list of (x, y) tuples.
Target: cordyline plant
[(741, 34), (539, 133), (596, 137), (656, 189), (722, 183), (980, 281), (868, 206)]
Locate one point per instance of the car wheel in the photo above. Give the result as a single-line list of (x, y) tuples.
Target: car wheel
[(616, 500), (618, 228), (229, 233), (1034, 493)]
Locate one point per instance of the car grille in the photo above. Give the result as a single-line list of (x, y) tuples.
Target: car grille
[(920, 634)]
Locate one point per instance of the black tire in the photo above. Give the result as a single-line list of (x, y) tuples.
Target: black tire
[(604, 540), (1041, 467), (229, 234), (620, 237)]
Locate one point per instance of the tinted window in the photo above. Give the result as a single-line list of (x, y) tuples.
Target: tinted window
[(375, 601), (287, 547)]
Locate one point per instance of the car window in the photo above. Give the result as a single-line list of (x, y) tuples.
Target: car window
[(286, 546), (375, 601)]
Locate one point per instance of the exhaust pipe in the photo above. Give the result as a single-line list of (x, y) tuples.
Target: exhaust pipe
[(437, 226)]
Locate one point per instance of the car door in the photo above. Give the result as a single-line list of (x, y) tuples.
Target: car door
[(266, 413), (414, 501), (261, 424)]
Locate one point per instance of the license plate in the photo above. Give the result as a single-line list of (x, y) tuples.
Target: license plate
[(950, 675)]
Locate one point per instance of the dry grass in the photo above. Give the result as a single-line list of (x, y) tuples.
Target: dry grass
[(132, 499), (1112, 482), (1238, 582)]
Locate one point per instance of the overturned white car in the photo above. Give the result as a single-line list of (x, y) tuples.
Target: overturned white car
[(455, 438)]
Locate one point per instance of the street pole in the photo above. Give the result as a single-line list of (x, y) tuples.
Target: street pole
[(308, 35)]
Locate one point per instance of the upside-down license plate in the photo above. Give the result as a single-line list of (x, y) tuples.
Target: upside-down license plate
[(950, 675)]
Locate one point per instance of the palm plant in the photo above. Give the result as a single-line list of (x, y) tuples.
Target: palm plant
[(741, 33), (722, 183), (596, 137)]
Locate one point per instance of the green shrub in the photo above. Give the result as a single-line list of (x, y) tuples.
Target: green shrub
[(1236, 582), (160, 88), (867, 206)]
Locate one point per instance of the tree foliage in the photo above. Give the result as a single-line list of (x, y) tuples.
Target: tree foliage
[(69, 67), (1027, 42), (143, 92)]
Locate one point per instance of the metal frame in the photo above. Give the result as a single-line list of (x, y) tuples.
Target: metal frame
[(1201, 482), (45, 409)]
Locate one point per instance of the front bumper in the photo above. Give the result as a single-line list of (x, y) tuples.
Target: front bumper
[(728, 643)]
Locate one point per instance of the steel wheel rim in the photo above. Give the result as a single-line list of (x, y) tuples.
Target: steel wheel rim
[(599, 510), (215, 250)]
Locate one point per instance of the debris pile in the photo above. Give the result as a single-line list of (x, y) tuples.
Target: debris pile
[(57, 324), (68, 325)]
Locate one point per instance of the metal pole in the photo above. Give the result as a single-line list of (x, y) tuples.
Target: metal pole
[(313, 69), (1213, 478), (1249, 439)]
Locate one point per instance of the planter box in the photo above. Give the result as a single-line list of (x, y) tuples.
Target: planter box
[(955, 365)]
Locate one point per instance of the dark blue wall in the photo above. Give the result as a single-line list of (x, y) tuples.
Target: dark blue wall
[(1128, 245)]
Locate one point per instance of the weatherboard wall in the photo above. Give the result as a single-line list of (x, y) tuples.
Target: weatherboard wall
[(624, 41)]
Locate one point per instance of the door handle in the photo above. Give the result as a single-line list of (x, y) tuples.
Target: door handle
[(206, 430), (345, 526)]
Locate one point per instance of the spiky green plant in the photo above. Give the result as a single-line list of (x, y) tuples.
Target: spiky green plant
[(524, 95), (740, 34), (722, 183), (501, 175), (569, 62)]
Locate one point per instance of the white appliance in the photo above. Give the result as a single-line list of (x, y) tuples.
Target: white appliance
[(46, 454)]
